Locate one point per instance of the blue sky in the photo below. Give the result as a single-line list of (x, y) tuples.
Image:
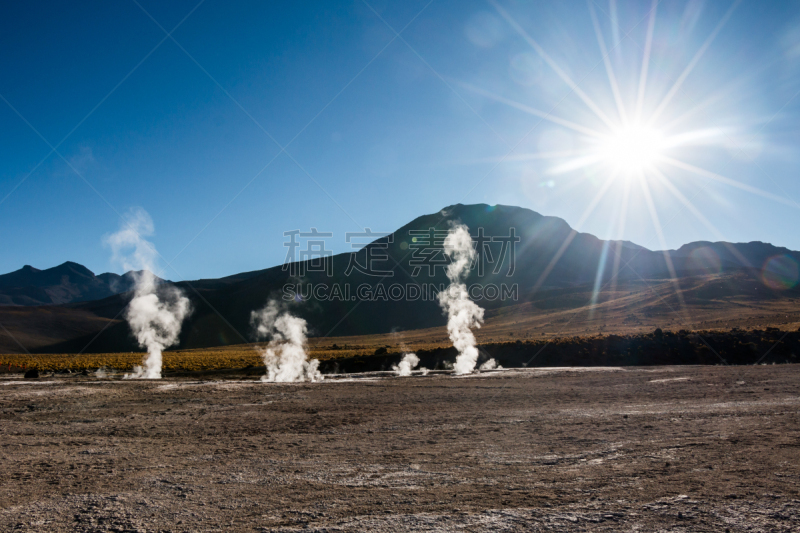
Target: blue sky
[(379, 129)]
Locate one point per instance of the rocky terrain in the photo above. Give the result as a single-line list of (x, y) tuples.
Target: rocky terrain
[(702, 448)]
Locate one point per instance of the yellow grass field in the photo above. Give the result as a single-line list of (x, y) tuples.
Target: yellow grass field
[(185, 360), (238, 356)]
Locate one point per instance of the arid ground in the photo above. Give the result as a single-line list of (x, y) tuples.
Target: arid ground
[(703, 448)]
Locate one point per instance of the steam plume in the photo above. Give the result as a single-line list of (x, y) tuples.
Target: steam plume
[(462, 313), (285, 357), (409, 361), (155, 319), (491, 364)]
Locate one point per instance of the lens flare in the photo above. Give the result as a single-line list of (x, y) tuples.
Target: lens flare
[(780, 272), (705, 260)]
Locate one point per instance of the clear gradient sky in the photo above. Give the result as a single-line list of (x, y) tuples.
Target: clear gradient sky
[(474, 102)]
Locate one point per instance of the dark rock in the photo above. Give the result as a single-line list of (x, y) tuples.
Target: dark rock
[(32, 374)]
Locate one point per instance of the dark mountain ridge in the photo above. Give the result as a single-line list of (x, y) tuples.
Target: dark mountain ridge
[(66, 283), (549, 256)]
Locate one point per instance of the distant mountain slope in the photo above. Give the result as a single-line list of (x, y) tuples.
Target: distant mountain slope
[(65, 283), (549, 257), (748, 254)]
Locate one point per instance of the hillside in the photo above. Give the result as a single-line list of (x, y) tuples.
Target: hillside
[(66, 283), (554, 272)]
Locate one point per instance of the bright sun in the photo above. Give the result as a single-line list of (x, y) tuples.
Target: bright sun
[(639, 140), (631, 150)]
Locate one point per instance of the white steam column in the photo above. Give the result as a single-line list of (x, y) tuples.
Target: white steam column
[(285, 357), (155, 316), (407, 364), (462, 313)]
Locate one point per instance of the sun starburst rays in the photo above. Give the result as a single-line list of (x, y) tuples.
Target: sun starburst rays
[(632, 144), (641, 137)]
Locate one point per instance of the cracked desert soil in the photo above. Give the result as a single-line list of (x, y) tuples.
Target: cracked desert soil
[(656, 449)]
